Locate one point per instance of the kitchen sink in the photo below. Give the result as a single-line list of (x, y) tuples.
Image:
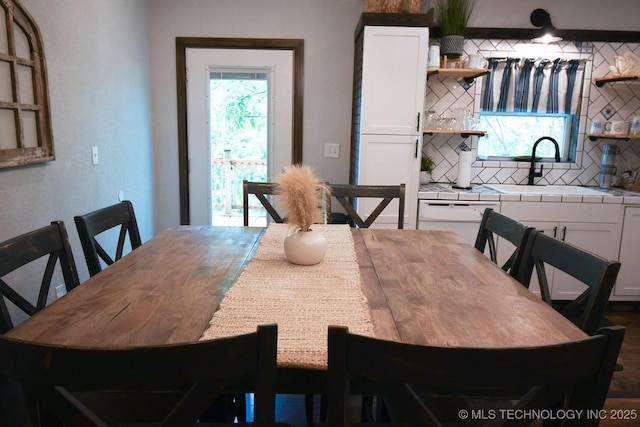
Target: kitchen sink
[(545, 189)]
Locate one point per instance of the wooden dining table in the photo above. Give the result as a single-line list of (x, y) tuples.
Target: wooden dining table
[(422, 287)]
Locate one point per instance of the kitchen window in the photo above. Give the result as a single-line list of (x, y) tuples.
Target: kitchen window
[(511, 135), (524, 99)]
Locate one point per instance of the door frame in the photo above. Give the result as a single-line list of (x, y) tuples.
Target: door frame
[(182, 44)]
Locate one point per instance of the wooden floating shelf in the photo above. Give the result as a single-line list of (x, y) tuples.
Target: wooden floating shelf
[(466, 133), (593, 137), (469, 74), (600, 81)]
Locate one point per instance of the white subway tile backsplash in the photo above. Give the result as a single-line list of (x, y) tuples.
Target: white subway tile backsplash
[(618, 101)]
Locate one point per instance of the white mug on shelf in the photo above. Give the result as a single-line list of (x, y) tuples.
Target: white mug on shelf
[(434, 56), (476, 61), (597, 127), (635, 125), (617, 127)]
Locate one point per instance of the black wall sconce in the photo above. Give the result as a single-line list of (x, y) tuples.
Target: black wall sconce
[(548, 33)]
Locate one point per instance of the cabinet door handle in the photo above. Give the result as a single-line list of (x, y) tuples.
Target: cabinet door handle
[(564, 233), (555, 231), (418, 124), (416, 155)]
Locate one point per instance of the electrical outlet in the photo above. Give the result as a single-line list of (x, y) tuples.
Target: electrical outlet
[(94, 155), (332, 151), (60, 291)]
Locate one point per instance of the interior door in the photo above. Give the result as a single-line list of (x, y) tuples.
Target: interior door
[(279, 154)]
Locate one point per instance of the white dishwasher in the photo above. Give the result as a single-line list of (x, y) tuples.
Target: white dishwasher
[(460, 216)]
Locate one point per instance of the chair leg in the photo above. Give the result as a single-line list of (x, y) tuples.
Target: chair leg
[(240, 407), (382, 413), (366, 409), (216, 411), (226, 408), (308, 407), (323, 408), (367, 413), (15, 409)]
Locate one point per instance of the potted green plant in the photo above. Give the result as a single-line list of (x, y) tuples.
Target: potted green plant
[(453, 17), (426, 169)]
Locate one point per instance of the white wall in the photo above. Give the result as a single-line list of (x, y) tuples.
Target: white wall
[(98, 72), (327, 28), (618, 15)]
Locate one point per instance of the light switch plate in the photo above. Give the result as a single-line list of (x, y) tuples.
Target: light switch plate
[(94, 155), (332, 151)]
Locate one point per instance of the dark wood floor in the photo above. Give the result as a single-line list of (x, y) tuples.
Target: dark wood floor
[(624, 393)]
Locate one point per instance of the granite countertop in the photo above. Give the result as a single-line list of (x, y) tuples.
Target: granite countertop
[(446, 191)]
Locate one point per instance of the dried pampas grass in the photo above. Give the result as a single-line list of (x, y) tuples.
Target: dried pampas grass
[(301, 194)]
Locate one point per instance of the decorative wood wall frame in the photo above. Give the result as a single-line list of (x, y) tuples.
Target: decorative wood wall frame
[(25, 119)]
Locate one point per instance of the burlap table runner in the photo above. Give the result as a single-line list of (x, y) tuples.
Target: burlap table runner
[(302, 300)]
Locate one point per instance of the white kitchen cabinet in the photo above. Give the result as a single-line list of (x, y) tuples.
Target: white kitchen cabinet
[(394, 64), (591, 226), (389, 88), (377, 168), (628, 283)]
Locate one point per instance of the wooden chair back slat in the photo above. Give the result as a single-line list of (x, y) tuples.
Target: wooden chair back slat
[(58, 376), (260, 190), (409, 376), (94, 223), (496, 224), (51, 241), (598, 274), (346, 195)]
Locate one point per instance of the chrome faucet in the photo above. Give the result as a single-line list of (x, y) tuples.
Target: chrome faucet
[(532, 170)]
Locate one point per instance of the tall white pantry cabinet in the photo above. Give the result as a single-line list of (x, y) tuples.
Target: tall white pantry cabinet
[(389, 89)]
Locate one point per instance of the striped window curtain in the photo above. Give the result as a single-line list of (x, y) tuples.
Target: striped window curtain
[(533, 85)]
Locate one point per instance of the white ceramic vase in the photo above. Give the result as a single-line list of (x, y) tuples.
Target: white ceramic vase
[(305, 247), (425, 177)]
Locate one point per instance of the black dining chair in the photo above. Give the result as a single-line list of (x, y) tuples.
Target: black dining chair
[(348, 194), (51, 241), (56, 378), (263, 189), (596, 273), (495, 225), (93, 224), (414, 379), (260, 190)]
